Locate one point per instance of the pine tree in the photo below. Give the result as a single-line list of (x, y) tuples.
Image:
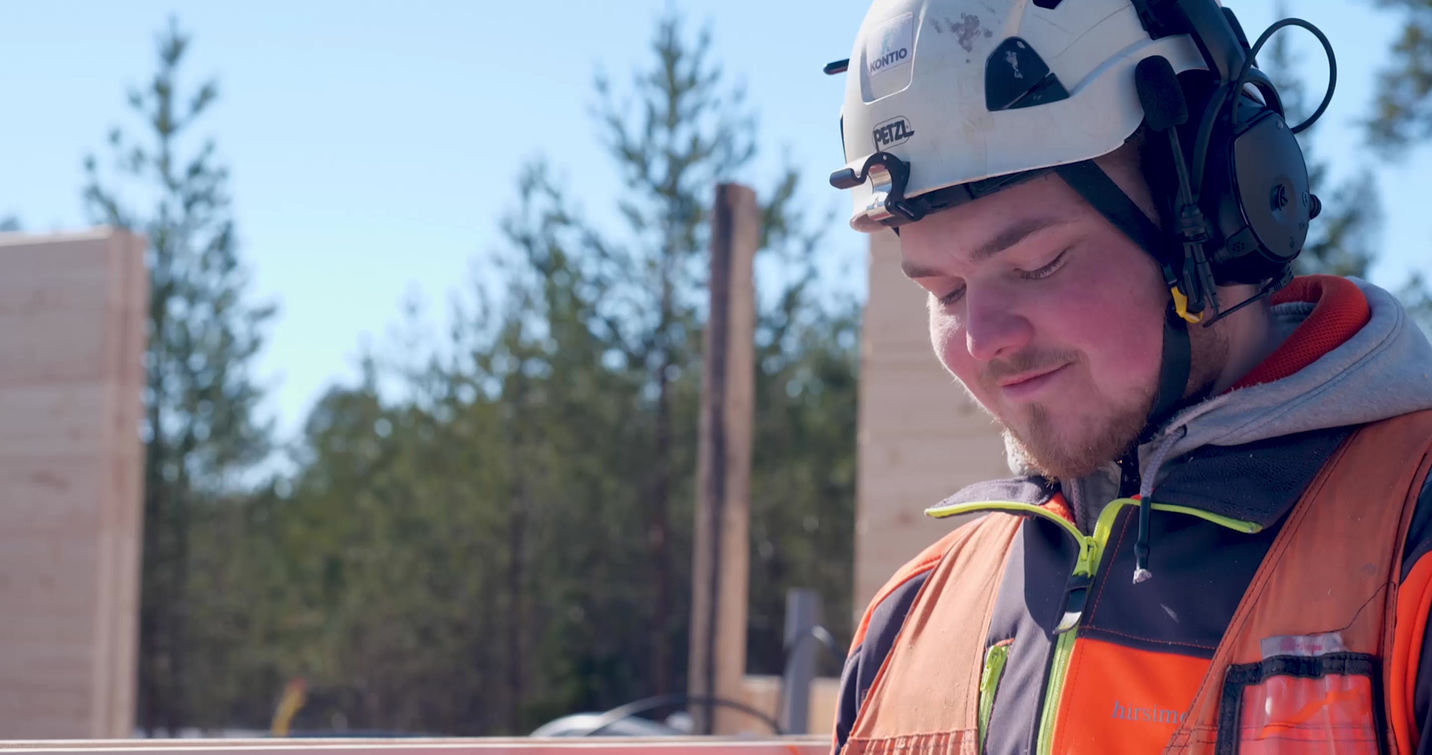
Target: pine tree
[(201, 426)]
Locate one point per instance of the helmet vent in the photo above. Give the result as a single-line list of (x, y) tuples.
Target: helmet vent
[(1016, 77)]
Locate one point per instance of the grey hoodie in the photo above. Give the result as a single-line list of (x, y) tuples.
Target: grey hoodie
[(1383, 370)]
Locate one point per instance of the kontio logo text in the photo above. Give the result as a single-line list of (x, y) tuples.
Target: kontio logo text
[(889, 58), (890, 46)]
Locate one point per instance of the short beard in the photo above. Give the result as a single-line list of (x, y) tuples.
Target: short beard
[(1044, 451), (1040, 449)]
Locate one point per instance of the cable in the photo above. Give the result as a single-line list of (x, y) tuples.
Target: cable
[(1210, 115), (645, 704), (1327, 48)]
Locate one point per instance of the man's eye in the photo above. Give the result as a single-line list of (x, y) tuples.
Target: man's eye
[(1047, 270), (952, 296)]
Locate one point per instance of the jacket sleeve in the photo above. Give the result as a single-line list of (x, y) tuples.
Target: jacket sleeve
[(1414, 605)]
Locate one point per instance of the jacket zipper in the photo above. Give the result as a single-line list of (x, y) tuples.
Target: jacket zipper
[(1076, 590), (993, 671)]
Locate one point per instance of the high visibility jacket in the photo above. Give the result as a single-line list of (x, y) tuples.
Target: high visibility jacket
[(1314, 658)]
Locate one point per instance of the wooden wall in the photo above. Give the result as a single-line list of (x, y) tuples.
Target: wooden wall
[(72, 314), (920, 436)]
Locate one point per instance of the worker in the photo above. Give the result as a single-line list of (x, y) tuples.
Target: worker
[(1217, 536)]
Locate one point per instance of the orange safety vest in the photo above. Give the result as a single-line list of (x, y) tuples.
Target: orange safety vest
[(1312, 657)]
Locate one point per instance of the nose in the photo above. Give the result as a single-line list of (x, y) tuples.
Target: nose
[(994, 326)]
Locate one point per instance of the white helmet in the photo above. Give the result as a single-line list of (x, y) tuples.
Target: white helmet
[(950, 87)]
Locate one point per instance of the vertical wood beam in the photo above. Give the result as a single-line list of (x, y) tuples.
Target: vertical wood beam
[(721, 562)]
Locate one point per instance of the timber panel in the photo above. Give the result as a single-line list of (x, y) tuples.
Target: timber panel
[(921, 437), (72, 311)]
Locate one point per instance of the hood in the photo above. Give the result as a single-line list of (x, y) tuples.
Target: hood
[(1377, 370), (1381, 371)]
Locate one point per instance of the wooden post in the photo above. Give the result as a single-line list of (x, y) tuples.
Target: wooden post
[(721, 562), (72, 314)]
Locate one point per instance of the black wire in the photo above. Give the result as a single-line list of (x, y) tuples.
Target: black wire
[(1327, 48), (621, 712), (1210, 115), (645, 704)]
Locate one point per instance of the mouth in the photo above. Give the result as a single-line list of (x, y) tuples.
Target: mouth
[(1026, 384)]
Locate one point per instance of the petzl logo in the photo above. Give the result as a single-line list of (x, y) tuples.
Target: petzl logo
[(892, 132)]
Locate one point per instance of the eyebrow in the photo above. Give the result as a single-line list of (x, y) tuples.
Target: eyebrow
[(1005, 239)]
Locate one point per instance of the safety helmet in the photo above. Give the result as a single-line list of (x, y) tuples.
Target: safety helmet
[(947, 100), (965, 91)]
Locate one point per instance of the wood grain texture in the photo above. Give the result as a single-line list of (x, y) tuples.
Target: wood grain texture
[(72, 315), (722, 550), (920, 436)]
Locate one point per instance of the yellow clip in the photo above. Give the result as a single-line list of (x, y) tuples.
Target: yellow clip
[(1180, 306)]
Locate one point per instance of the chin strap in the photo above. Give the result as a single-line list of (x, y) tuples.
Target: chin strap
[(1174, 369), (1105, 196)]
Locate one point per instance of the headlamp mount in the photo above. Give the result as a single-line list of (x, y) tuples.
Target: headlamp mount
[(888, 176)]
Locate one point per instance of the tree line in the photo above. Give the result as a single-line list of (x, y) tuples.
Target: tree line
[(505, 536)]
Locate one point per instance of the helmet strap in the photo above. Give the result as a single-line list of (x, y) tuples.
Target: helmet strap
[(1105, 196)]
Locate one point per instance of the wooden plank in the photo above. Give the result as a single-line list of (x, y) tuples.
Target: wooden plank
[(33, 355), (48, 420), (921, 437), (116, 619), (721, 558), (42, 495), (72, 311)]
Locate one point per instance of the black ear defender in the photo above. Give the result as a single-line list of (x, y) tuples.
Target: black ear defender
[(1242, 201)]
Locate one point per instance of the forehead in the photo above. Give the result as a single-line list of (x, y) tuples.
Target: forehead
[(974, 232)]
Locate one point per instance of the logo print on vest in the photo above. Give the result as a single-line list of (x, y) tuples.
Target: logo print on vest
[(1150, 715)]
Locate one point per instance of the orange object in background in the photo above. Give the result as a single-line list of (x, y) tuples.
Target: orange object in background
[(295, 693)]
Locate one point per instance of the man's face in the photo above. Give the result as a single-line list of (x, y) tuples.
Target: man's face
[(1050, 317)]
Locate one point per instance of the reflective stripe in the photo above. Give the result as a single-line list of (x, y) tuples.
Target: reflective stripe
[(989, 684), (1086, 566)]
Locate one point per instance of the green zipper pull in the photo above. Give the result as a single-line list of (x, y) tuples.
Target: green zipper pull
[(994, 660)]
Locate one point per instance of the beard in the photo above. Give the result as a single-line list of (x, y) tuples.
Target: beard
[(1103, 430), (1058, 454)]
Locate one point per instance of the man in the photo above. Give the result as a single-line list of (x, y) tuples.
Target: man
[(1218, 539)]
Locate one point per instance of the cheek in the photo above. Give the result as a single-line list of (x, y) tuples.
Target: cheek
[(1111, 316), (948, 340), (1120, 332)]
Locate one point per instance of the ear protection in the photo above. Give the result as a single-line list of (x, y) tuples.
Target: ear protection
[(1239, 199)]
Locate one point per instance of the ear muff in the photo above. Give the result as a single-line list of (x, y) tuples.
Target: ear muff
[(1255, 194), (1255, 191), (1250, 177)]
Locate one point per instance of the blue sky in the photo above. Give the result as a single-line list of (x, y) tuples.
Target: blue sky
[(374, 146)]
